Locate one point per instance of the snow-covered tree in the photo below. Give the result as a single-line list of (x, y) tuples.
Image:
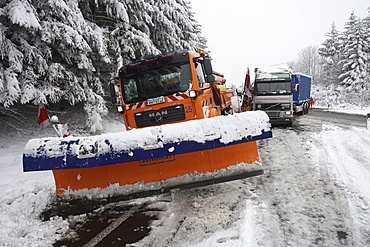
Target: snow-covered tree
[(67, 50), (308, 62), (366, 25), (331, 54), (354, 54), (343, 65), (347, 60), (172, 28)]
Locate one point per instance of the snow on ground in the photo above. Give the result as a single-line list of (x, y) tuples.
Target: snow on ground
[(339, 99), (348, 158), (301, 200), (23, 197), (314, 193), (355, 111)]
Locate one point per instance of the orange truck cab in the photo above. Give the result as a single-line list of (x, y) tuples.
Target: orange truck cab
[(172, 87)]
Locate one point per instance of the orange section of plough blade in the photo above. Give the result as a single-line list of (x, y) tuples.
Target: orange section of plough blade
[(245, 152), (156, 169), (189, 163), (76, 179)]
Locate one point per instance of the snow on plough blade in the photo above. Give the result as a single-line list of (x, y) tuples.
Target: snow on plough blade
[(208, 150)]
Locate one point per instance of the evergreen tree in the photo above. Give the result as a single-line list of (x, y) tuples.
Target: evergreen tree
[(366, 24), (331, 53), (67, 50), (169, 26), (355, 59)]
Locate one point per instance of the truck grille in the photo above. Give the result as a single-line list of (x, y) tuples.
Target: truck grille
[(164, 115), (274, 106), (273, 114)]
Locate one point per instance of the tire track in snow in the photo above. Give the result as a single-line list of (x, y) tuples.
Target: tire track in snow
[(349, 163), (301, 204), (195, 215)]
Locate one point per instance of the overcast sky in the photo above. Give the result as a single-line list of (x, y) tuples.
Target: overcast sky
[(252, 33)]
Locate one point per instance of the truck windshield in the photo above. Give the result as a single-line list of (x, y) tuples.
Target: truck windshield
[(275, 87), (155, 83)]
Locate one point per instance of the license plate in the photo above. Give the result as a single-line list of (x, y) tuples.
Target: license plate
[(155, 101)]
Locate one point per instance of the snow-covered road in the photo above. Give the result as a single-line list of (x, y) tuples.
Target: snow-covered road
[(315, 192), (300, 204)]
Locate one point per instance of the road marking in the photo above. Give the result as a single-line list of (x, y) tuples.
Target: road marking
[(98, 238)]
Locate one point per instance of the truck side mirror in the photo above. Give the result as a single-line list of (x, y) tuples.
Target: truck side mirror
[(207, 66), (296, 88)]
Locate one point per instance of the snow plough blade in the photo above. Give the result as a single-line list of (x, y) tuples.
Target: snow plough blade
[(157, 158)]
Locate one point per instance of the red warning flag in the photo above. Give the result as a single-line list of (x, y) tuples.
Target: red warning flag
[(247, 85), (43, 118)]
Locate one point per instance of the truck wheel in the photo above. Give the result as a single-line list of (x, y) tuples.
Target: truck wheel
[(227, 111), (306, 108)]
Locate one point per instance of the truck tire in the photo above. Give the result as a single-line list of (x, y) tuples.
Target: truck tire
[(227, 111), (306, 108)]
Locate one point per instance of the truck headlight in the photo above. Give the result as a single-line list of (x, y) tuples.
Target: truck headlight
[(119, 109), (288, 113), (193, 94)]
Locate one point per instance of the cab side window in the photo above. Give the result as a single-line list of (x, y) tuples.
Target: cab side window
[(200, 75)]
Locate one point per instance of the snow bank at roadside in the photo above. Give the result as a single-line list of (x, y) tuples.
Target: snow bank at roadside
[(23, 196), (360, 112), (337, 98)]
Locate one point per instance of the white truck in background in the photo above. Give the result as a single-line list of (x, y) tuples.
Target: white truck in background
[(281, 93)]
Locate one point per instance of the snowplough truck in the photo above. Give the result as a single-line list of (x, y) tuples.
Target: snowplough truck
[(179, 133)]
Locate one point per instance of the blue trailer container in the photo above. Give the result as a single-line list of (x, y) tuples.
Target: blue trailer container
[(301, 92)]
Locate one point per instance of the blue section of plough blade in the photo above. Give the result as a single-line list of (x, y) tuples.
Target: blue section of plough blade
[(89, 155)]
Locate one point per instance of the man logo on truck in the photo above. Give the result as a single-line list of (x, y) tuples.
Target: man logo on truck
[(158, 114)]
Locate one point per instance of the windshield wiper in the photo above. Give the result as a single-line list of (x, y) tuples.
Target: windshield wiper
[(272, 106), (261, 92)]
